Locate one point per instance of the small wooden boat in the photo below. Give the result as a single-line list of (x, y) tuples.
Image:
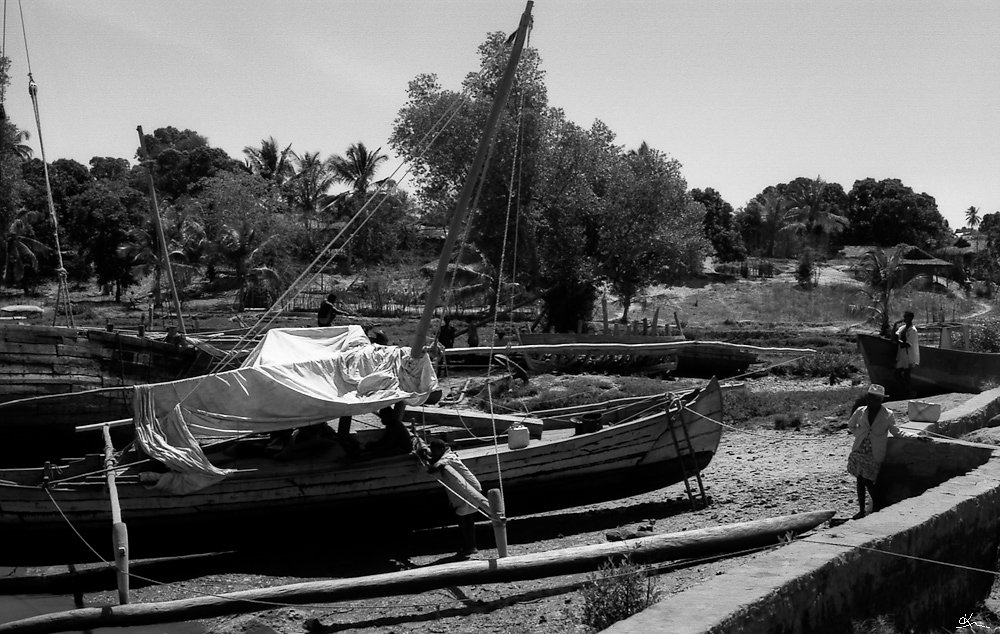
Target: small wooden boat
[(941, 370), (640, 354), (637, 449)]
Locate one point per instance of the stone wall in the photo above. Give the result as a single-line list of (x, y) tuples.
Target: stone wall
[(822, 582)]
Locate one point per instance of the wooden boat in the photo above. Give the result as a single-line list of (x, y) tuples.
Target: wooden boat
[(640, 354), (637, 450), (941, 370), (55, 377)]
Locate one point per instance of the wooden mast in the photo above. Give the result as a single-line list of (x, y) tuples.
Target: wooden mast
[(161, 239), (119, 532), (479, 165)]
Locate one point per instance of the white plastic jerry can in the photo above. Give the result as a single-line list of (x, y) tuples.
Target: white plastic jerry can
[(517, 436)]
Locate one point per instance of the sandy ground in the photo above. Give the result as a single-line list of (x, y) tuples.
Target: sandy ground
[(758, 472)]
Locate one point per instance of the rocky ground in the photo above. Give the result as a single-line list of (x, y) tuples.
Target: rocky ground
[(758, 472)]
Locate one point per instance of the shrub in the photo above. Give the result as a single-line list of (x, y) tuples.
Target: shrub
[(615, 592)]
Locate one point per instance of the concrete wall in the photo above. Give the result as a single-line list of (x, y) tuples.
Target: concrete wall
[(971, 415), (821, 583)]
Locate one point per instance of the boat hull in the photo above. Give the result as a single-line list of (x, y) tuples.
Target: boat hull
[(560, 470), (940, 370), (54, 378)]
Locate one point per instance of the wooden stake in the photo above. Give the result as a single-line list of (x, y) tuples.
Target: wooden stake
[(656, 321), (119, 532), (499, 517), (604, 309)]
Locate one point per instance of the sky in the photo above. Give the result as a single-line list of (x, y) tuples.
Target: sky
[(745, 94)]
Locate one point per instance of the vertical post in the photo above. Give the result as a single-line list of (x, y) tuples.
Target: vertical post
[(499, 518), (159, 232), (656, 321), (604, 310), (677, 321), (119, 532), (465, 197)]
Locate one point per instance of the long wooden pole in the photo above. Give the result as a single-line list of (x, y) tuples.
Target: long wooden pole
[(479, 165), (694, 543), (161, 239), (119, 532)]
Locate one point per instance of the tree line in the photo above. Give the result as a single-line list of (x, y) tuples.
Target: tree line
[(563, 212)]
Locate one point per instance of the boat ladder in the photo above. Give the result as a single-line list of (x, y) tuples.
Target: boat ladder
[(687, 459)]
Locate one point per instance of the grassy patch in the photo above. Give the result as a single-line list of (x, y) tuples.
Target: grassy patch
[(615, 592)]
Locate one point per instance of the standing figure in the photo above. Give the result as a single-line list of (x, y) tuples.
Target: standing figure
[(473, 336), (446, 335), (908, 354), (871, 424)]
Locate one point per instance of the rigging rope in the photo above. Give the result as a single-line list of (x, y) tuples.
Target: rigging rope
[(62, 295)]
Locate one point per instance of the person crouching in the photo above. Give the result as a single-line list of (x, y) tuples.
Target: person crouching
[(441, 456)]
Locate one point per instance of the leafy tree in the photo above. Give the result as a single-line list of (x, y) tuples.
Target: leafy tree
[(181, 160), (883, 276), (887, 212), (100, 219), (110, 169), (720, 229), (765, 220), (269, 161), (441, 167), (639, 229)]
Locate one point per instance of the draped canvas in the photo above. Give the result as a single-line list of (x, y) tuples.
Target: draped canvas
[(342, 376)]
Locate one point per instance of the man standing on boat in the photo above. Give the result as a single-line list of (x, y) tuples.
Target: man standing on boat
[(908, 354), (328, 311)]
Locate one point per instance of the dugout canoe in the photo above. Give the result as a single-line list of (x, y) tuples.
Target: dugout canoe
[(636, 451), (940, 370)]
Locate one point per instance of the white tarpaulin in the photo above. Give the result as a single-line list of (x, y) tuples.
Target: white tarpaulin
[(340, 375)]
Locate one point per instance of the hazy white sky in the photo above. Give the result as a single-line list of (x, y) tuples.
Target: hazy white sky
[(745, 94)]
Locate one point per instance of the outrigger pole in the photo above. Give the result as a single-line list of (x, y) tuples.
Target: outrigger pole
[(479, 165)]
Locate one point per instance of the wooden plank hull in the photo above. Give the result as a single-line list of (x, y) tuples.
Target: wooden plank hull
[(939, 370), (53, 378), (642, 354), (559, 470)]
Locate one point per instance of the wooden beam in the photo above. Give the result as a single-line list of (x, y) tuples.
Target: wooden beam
[(694, 543)]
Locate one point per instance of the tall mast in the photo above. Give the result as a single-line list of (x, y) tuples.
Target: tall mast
[(161, 239), (479, 165)]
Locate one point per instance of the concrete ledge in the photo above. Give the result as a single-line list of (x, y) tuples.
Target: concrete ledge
[(971, 415), (821, 583)]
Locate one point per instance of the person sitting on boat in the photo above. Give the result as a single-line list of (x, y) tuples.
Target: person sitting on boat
[(908, 354), (439, 456), (395, 439), (871, 425), (328, 311)]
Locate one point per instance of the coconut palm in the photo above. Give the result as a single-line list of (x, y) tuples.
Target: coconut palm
[(16, 140), (972, 217), (268, 161), (19, 249), (883, 274), (357, 168), (811, 213), (774, 218), (307, 188)]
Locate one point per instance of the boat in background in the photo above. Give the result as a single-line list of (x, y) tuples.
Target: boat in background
[(53, 378), (941, 369)]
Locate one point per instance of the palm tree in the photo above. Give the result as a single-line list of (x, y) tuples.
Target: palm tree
[(358, 167), (810, 213), (19, 249), (774, 218), (16, 139), (882, 275), (269, 162), (972, 217), (307, 188)]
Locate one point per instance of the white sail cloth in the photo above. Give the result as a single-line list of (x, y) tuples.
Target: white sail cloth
[(295, 377)]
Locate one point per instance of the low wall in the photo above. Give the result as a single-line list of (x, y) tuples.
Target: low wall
[(822, 582), (971, 415)]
